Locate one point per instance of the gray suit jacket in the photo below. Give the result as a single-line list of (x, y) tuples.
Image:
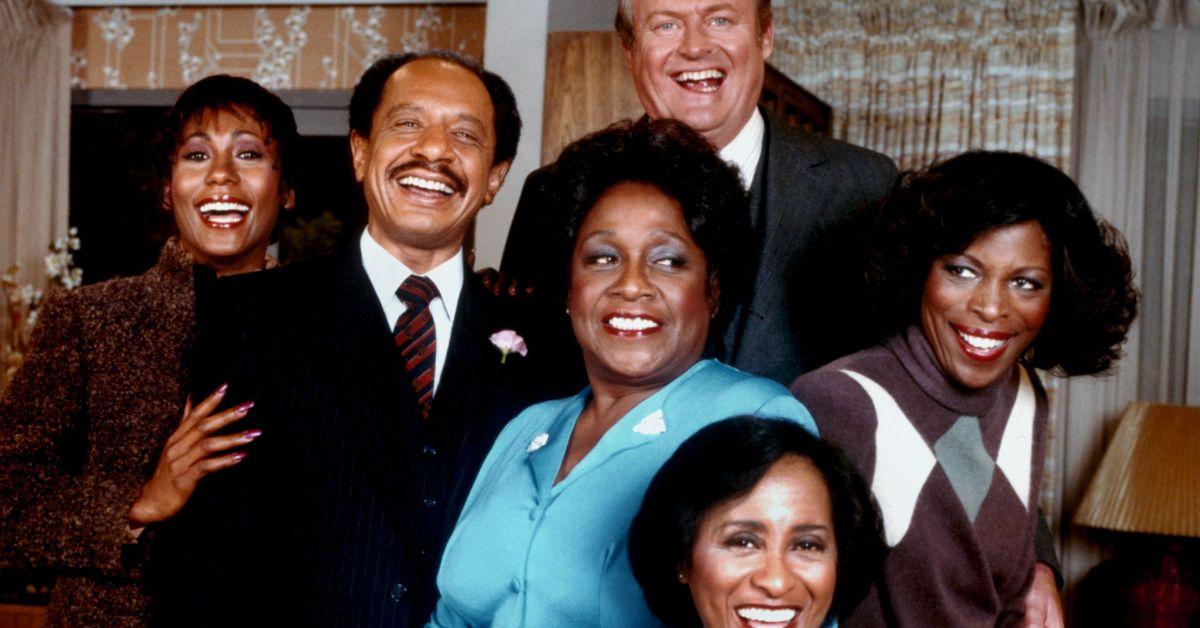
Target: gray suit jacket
[(803, 185)]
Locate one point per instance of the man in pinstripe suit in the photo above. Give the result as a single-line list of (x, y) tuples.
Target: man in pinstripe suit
[(373, 425)]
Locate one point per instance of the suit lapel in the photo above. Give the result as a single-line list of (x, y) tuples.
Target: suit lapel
[(351, 326), (790, 195), (472, 385)]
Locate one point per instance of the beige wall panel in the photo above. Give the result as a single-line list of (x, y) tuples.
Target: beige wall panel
[(587, 88), (282, 47)]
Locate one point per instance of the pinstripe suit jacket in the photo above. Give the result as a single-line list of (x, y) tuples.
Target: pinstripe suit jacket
[(339, 513)]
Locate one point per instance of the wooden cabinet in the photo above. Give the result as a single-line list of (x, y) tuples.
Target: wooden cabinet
[(20, 616)]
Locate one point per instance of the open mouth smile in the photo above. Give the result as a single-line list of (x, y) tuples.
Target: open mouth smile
[(631, 325), (426, 185), (223, 212), (702, 81), (766, 615), (981, 345)]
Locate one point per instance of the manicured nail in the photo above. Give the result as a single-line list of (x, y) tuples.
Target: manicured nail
[(238, 456), (251, 434), (222, 389), (244, 408)]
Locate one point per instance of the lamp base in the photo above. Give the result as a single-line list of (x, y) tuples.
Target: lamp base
[(1155, 585)]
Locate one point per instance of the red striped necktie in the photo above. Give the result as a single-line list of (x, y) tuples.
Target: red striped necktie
[(416, 339)]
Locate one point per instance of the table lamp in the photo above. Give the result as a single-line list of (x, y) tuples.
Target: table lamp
[(1147, 485)]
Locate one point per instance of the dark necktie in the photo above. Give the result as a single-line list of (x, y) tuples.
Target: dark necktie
[(416, 339)]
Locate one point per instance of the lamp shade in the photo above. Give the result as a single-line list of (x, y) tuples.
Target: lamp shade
[(1149, 479)]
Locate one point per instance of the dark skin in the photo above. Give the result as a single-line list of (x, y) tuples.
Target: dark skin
[(640, 303), (226, 155), (192, 452)]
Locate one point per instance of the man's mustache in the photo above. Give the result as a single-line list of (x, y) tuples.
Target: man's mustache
[(435, 167)]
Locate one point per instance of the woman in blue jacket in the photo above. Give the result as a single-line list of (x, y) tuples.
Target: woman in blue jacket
[(657, 219)]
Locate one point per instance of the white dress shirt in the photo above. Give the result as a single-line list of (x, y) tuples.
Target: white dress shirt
[(387, 273), (746, 148)]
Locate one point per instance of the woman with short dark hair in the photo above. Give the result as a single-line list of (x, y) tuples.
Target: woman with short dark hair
[(656, 220), (724, 464), (92, 447), (982, 268)]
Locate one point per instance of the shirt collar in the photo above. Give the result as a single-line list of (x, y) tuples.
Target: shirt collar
[(387, 273), (746, 147)]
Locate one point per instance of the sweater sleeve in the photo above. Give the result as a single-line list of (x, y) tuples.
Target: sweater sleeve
[(53, 513)]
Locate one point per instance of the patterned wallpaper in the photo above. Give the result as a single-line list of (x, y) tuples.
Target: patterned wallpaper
[(300, 47)]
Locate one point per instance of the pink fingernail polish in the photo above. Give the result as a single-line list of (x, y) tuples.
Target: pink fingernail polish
[(251, 434), (245, 407), (239, 456), (222, 389)]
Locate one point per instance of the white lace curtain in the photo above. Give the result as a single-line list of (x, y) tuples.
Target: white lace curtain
[(1137, 158), (35, 108)]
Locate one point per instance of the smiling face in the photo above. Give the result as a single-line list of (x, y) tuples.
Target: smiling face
[(640, 297), (426, 168), (982, 308), (768, 558), (225, 190), (700, 62)]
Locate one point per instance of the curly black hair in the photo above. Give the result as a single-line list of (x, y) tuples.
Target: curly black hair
[(943, 209), (242, 96), (677, 160), (723, 462), (369, 92)]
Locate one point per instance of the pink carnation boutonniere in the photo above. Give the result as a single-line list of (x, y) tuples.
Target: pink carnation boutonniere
[(509, 341)]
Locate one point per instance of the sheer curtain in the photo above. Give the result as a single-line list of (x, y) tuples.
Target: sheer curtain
[(920, 80), (35, 98), (1137, 158)]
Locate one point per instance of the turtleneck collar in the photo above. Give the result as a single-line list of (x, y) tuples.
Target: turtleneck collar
[(913, 350)]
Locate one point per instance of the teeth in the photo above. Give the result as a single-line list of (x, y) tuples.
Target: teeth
[(979, 342), (426, 184), (699, 75), (225, 219), (767, 615), (223, 206), (631, 324)]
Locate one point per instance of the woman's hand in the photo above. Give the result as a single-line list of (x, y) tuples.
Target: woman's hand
[(190, 454), (1042, 605)]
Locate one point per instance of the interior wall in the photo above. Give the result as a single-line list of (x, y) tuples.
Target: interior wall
[(514, 48), (285, 47)]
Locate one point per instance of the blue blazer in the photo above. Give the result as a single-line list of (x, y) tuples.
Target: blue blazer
[(528, 552)]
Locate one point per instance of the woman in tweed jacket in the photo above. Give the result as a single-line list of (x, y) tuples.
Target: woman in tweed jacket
[(92, 448)]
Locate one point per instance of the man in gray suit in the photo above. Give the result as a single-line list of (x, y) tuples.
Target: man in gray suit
[(703, 63)]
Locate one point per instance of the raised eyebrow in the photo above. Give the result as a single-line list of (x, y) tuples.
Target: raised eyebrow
[(236, 134), (809, 527), (705, 10), (599, 232), (744, 524), (470, 119), (241, 132), (667, 234), (403, 108), (1028, 270)]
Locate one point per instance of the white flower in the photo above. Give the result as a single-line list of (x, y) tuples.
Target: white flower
[(509, 341), (54, 264)]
